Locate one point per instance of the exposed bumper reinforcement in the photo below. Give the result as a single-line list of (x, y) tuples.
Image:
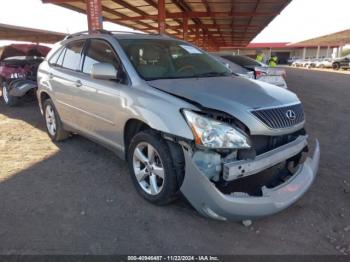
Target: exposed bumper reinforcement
[(209, 201), (243, 168)]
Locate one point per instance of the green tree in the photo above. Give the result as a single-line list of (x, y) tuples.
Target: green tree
[(345, 51)]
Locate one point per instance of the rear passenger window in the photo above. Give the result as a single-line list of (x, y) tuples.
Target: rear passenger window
[(99, 52), (72, 55)]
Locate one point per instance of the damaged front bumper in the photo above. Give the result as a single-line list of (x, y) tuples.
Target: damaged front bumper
[(211, 202), (20, 87)]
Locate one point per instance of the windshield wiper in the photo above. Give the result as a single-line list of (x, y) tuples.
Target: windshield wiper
[(211, 74), (208, 74), (160, 78)]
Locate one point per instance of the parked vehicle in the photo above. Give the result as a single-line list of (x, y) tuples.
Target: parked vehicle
[(305, 62), (341, 63), (18, 68), (312, 63), (261, 71), (291, 60), (236, 69), (182, 121), (324, 63), (298, 63)]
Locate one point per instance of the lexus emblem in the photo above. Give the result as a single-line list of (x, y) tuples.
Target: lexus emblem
[(290, 114)]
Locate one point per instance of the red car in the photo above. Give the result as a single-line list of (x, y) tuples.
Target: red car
[(18, 69)]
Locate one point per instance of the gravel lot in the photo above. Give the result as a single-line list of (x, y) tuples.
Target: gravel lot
[(76, 197)]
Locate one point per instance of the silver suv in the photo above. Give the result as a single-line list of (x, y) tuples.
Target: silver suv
[(235, 148)]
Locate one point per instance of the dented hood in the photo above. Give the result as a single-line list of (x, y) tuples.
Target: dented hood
[(227, 94)]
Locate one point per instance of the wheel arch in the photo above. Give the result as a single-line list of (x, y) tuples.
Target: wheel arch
[(134, 126), (41, 99), (131, 128)]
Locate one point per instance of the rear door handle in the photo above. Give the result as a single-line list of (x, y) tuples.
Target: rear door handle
[(50, 75), (78, 83)]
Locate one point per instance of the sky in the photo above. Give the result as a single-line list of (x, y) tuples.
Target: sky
[(305, 19), (300, 20)]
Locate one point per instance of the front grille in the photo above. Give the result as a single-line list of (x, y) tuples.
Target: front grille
[(277, 117)]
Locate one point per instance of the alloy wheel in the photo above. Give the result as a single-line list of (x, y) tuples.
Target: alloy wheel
[(50, 120), (148, 168), (5, 94)]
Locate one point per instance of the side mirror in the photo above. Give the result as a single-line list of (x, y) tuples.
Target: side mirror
[(104, 71)]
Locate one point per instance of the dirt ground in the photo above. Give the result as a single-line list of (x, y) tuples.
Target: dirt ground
[(76, 197)]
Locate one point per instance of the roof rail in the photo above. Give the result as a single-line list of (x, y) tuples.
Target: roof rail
[(137, 33), (127, 32), (98, 31), (107, 32)]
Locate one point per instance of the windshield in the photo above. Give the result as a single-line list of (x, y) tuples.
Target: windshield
[(168, 59)]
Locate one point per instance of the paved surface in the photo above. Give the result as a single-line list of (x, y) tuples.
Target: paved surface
[(329, 70), (76, 197)]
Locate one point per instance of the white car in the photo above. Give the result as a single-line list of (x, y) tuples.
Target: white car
[(298, 63), (235, 68), (261, 71), (325, 63)]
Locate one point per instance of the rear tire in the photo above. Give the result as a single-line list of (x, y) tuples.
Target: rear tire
[(53, 122), (152, 168), (7, 98)]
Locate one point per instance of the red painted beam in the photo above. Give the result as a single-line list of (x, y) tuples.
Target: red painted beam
[(161, 16), (199, 15), (94, 14), (155, 5), (197, 35), (212, 26), (93, 11), (185, 28), (218, 14)]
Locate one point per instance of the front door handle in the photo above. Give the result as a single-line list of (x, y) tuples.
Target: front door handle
[(78, 83)]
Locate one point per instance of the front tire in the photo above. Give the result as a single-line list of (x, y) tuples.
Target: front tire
[(152, 170), (53, 122), (7, 98)]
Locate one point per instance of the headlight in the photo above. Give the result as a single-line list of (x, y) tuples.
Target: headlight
[(214, 134)]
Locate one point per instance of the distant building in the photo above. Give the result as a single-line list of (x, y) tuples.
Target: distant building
[(329, 46)]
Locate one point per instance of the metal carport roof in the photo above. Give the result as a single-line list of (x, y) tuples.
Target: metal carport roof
[(208, 23), (18, 33)]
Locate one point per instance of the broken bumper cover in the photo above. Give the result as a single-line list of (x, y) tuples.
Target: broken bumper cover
[(209, 201)]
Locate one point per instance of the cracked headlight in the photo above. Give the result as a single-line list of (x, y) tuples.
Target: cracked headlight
[(215, 134)]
